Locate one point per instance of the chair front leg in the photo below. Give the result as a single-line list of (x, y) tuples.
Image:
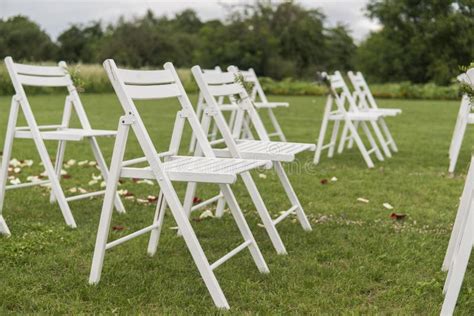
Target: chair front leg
[(58, 165), (158, 220)]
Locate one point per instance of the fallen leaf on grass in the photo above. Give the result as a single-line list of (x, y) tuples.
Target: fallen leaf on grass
[(66, 176), (118, 227), (397, 216), (362, 200), (388, 206), (323, 181), (196, 200)]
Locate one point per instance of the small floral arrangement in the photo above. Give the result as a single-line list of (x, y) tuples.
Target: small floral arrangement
[(467, 88), (78, 82), (248, 86)]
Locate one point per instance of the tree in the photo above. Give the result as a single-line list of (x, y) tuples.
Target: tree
[(80, 43), (24, 40), (420, 41)]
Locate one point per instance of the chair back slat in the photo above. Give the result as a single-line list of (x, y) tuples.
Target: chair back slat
[(37, 81), (145, 77), (152, 92), (218, 77), (225, 90), (41, 71)]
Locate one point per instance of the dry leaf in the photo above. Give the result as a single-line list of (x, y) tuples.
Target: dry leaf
[(397, 216), (196, 200), (323, 181), (118, 227)]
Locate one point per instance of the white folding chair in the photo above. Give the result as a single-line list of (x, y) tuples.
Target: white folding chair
[(460, 245), (48, 76), (131, 85), (216, 85), (365, 102), (465, 117), (340, 95), (261, 102)]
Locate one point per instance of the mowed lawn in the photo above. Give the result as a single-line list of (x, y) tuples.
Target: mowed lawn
[(356, 259)]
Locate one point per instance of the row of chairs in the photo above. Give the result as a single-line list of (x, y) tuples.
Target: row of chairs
[(218, 161)]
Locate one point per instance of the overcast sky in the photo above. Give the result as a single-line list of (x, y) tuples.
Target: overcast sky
[(56, 15)]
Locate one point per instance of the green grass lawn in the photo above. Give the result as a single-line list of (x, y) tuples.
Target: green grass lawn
[(356, 259)]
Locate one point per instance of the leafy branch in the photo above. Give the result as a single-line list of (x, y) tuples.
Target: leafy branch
[(74, 73), (248, 86)]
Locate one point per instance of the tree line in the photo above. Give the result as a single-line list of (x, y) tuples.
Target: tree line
[(419, 41)]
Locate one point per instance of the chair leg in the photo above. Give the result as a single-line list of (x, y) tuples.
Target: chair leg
[(276, 125), (7, 151), (189, 197), (332, 146), (105, 172), (292, 196), (457, 146), (344, 139), (158, 220), (58, 164), (458, 269), (360, 144), (322, 131), (372, 142), (263, 213), (244, 228), (220, 207), (108, 204), (388, 135), (381, 139), (350, 143)]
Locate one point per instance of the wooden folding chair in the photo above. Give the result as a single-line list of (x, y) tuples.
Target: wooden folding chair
[(131, 85), (465, 117), (261, 102), (340, 95), (217, 85), (48, 76), (365, 102), (460, 245)]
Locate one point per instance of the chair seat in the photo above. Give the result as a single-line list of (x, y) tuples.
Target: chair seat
[(384, 111), (357, 116), (199, 169), (267, 150), (71, 134), (263, 105)]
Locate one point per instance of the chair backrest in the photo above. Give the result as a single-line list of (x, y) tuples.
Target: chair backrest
[(133, 85), (361, 90), (467, 77), (341, 92), (45, 76), (257, 94), (224, 84)]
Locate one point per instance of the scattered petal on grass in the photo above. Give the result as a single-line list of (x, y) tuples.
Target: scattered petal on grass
[(97, 178), (146, 181), (260, 225), (122, 192), (262, 176), (362, 200), (71, 162), (17, 170), (196, 200), (92, 163), (82, 163), (92, 182), (333, 179), (63, 172), (128, 193), (82, 191), (118, 227), (174, 227), (15, 181), (103, 184), (28, 163), (73, 190), (15, 163), (397, 216), (142, 201), (152, 198), (206, 214), (323, 181), (388, 206), (33, 179), (322, 219), (129, 197)]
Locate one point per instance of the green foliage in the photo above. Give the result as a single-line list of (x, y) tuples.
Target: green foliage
[(467, 88), (420, 41)]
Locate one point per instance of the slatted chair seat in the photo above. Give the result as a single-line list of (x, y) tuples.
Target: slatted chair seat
[(384, 111), (276, 151), (359, 116), (69, 134), (271, 105), (199, 169)]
